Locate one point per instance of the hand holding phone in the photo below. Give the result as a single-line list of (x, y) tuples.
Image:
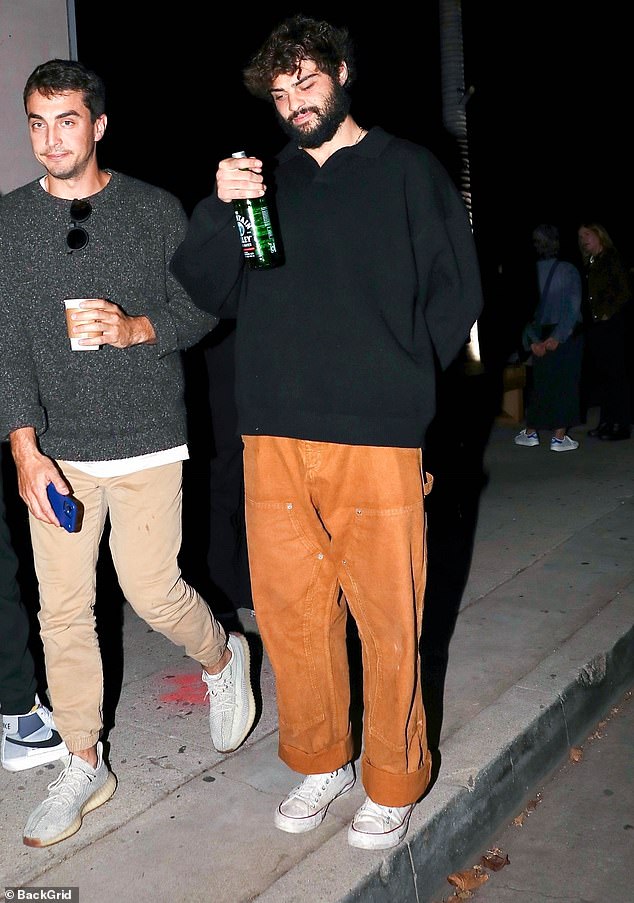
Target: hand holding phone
[(65, 507)]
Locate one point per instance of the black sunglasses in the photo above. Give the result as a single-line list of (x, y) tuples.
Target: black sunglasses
[(77, 237)]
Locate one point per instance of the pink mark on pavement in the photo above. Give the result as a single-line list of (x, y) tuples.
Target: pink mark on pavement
[(189, 689)]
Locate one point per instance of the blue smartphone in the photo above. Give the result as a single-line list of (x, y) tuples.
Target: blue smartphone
[(65, 507)]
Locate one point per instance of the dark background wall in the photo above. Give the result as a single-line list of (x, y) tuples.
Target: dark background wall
[(176, 100), (549, 121)]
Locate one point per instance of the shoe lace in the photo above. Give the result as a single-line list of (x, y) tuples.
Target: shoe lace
[(382, 813), (67, 785), (220, 694), (312, 787)]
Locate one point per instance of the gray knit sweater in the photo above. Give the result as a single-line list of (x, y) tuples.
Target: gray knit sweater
[(111, 403)]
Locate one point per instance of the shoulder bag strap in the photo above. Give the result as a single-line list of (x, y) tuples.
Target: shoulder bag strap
[(548, 278)]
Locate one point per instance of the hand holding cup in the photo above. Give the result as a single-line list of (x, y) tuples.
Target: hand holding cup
[(83, 326), (95, 321)]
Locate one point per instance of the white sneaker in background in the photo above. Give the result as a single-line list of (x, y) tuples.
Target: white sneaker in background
[(528, 439), (30, 739), (562, 445)]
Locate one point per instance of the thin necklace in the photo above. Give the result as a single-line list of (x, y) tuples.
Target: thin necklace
[(362, 132)]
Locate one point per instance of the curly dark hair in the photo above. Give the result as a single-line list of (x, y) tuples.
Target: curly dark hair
[(293, 40), (61, 76)]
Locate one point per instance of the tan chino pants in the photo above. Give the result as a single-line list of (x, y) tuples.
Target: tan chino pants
[(145, 539)]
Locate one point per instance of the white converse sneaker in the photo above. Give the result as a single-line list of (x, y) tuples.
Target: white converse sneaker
[(77, 790), (231, 700), (377, 827), (30, 739), (306, 805)]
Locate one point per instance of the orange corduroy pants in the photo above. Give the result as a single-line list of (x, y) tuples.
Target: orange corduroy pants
[(335, 528)]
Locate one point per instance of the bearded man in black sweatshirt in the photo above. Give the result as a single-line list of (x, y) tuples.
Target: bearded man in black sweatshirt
[(337, 351)]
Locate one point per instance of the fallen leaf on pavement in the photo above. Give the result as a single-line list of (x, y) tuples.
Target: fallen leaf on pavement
[(494, 860), (468, 879), (575, 754)]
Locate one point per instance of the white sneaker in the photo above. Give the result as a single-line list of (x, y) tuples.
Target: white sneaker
[(525, 438), (306, 805), (377, 827), (30, 739), (565, 444), (77, 790), (231, 700)]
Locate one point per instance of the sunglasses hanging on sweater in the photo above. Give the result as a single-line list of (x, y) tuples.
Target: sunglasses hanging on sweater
[(77, 237)]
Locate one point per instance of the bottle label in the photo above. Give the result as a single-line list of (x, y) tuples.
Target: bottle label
[(256, 233), (246, 235)]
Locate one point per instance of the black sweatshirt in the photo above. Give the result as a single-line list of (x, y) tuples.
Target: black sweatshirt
[(380, 285)]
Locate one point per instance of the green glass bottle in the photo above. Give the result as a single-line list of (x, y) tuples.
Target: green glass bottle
[(260, 247)]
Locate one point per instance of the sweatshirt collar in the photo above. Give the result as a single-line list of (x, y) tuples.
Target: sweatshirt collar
[(371, 146)]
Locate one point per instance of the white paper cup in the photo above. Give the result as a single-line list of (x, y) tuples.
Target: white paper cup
[(73, 304)]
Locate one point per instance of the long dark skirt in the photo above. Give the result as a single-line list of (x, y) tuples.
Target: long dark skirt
[(554, 397)]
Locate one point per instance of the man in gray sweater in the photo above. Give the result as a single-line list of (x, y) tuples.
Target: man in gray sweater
[(106, 424)]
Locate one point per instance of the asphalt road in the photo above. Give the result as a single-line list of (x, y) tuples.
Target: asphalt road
[(574, 840)]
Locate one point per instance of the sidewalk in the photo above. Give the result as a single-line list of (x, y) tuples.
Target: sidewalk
[(542, 644)]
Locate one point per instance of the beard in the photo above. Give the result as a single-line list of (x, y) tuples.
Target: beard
[(328, 121), (64, 173)]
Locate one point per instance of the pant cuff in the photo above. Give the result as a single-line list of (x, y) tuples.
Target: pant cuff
[(321, 762), (77, 742), (388, 789)]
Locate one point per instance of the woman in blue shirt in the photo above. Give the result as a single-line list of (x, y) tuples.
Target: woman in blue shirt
[(554, 338)]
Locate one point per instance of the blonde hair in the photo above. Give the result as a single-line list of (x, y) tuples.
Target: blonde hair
[(601, 233)]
